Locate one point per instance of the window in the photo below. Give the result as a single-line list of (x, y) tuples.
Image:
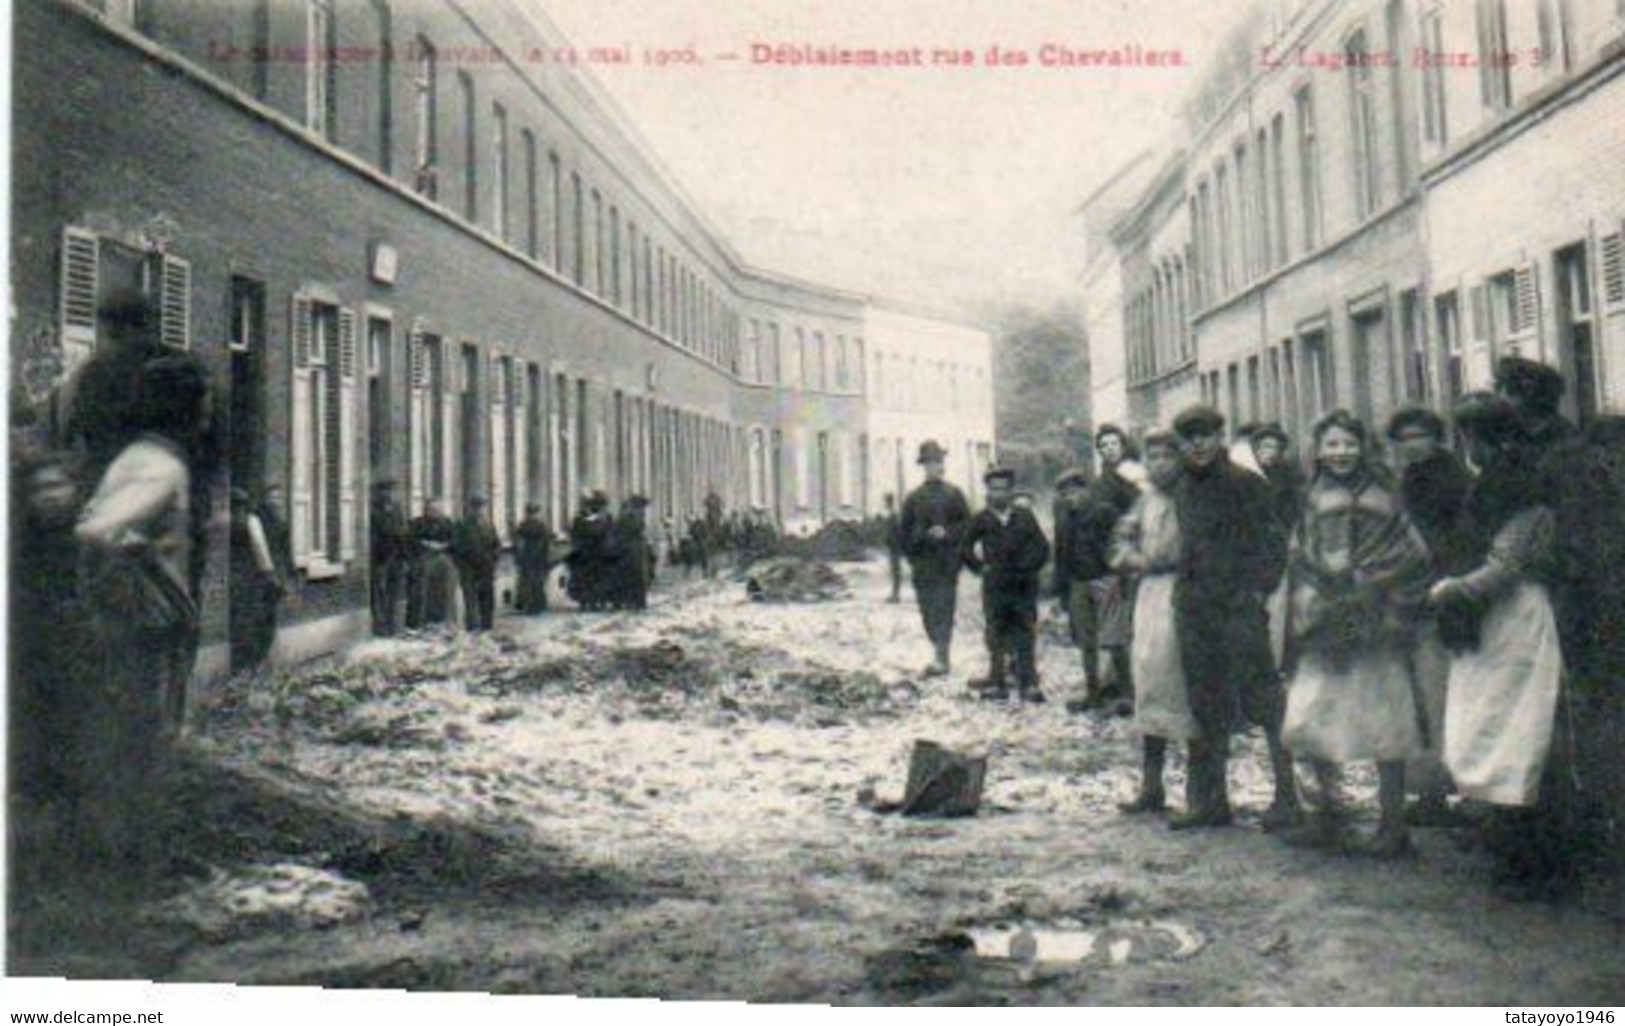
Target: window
[(600, 278), (1363, 115), (261, 48), (1320, 392), (555, 191), (1281, 242), (1244, 216), (1434, 124), (426, 102), (1222, 244), (773, 341), (1553, 23), (615, 255), (634, 284), (319, 67), (578, 231), (1447, 316), (247, 315), (1494, 71), (323, 520), (499, 170), (1262, 202), (1399, 116), (380, 424), (1308, 166), (532, 233), (648, 281), (385, 85), (471, 149), (1413, 348)]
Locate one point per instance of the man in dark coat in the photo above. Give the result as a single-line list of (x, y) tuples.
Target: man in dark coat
[(1083, 530), (934, 519), (1006, 547), (391, 551), (101, 400), (629, 571), (1233, 555), (892, 535), (590, 548), (476, 548), (1434, 483), (1537, 391), (533, 547)]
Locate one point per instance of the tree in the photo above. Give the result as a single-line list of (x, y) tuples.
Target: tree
[(1040, 389)]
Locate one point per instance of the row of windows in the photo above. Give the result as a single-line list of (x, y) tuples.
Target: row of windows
[(1157, 322), (801, 359), (1392, 360), (1260, 205), (909, 384)]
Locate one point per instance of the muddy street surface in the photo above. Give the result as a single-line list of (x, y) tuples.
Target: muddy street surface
[(667, 803)]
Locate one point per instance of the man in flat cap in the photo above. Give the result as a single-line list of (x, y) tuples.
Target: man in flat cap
[(476, 548), (1083, 530), (1233, 554), (1006, 547), (933, 521), (391, 551)]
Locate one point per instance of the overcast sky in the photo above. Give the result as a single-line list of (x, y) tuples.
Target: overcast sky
[(948, 185)]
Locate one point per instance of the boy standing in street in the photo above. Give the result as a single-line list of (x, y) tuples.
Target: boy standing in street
[(1007, 548)]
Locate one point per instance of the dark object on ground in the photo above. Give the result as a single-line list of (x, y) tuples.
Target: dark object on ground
[(839, 541), (942, 782), (792, 579)]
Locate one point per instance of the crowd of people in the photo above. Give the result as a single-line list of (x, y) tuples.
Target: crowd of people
[(1450, 620)]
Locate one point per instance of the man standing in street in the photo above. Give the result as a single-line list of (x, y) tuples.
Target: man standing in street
[(1007, 548), (476, 550), (532, 556), (934, 519), (391, 548), (1233, 554), (890, 527)]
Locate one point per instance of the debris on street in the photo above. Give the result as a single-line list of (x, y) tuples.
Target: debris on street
[(794, 579)]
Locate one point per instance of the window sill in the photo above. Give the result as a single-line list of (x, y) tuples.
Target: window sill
[(321, 570)]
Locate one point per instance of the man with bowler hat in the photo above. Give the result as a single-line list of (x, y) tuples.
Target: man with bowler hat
[(933, 520)]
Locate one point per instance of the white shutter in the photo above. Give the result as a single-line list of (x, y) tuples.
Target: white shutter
[(349, 463), (451, 402), (175, 302), (300, 456), (1612, 345), (81, 272), (497, 387), (417, 415)]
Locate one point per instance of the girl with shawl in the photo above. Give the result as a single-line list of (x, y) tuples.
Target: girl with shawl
[(1506, 662), (1359, 571), (1145, 542)]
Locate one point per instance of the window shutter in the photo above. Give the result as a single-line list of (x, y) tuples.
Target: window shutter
[(175, 302), (417, 415), (299, 448), (450, 405), (1613, 271), (81, 272), (498, 416), (349, 466)]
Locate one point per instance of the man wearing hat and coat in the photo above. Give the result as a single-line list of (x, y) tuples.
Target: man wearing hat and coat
[(1233, 553), (933, 520), (1005, 546), (1083, 531), (391, 551), (476, 548)]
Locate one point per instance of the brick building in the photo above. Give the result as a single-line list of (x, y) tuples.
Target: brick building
[(1367, 228), (411, 242)]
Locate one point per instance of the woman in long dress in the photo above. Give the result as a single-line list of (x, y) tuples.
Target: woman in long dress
[(442, 585), (1359, 571), (1506, 662), (1146, 543)]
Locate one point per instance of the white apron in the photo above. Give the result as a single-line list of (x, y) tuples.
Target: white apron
[(1161, 705), (1501, 701)]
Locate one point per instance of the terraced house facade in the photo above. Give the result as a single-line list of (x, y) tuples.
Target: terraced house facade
[(1398, 193), (409, 250)]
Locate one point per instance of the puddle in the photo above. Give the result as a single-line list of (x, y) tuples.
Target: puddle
[(1111, 944)]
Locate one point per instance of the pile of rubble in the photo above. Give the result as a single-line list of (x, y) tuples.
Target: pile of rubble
[(793, 579)]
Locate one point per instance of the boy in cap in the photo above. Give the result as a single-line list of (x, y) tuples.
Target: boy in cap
[(1007, 548), (934, 518), (1232, 555)]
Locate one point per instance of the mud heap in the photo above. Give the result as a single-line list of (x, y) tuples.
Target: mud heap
[(793, 579)]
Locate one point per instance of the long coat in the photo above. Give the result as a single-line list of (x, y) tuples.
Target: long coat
[(934, 504), (1233, 555), (532, 552)]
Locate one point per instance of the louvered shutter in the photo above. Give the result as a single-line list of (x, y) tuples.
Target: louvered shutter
[(498, 416), (349, 463), (1612, 345), (450, 405), (300, 454), (1524, 327), (175, 302), (417, 415), (81, 273)]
